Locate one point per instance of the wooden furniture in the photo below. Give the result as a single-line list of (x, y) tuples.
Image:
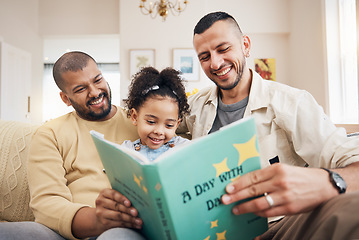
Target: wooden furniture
[(351, 128)]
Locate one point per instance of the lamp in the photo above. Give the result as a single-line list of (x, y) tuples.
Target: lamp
[(162, 7)]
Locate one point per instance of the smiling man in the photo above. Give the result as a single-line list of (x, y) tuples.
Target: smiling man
[(86, 90), (309, 167), (71, 196), (224, 61)]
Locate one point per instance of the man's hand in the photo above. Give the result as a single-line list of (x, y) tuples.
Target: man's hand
[(292, 189), (112, 210)]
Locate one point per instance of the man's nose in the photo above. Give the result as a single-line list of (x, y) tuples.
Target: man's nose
[(94, 91), (216, 61)]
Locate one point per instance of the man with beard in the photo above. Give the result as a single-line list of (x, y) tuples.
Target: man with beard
[(71, 196), (307, 163)]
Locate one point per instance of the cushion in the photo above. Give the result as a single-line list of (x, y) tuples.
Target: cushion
[(15, 139)]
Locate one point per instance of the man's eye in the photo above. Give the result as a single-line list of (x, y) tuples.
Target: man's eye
[(204, 58), (98, 80), (223, 50), (79, 90)]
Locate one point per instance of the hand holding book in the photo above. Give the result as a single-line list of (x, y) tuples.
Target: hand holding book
[(178, 196)]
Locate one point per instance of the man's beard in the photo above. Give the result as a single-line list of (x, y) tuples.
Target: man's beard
[(88, 114), (231, 86), (236, 81)]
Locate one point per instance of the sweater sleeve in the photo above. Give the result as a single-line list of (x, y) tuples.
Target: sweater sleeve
[(51, 199)]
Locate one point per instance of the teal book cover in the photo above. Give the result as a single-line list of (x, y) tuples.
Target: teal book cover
[(178, 196)]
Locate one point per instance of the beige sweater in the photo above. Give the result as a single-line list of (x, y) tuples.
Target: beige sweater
[(64, 169)]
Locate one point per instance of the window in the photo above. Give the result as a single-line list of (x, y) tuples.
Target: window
[(342, 60)]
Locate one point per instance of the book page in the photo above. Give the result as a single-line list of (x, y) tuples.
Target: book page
[(134, 154)]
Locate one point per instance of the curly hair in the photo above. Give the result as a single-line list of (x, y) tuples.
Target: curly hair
[(149, 82)]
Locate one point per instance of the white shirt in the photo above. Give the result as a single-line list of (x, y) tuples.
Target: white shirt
[(290, 124)]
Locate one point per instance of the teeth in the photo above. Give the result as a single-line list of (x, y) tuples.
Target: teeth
[(223, 72), (97, 102), (156, 140)]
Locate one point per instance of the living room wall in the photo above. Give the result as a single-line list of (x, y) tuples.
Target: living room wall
[(19, 27), (291, 31), (268, 29), (307, 49)]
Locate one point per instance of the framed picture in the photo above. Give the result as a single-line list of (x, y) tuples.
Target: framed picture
[(140, 58), (265, 67), (186, 61)]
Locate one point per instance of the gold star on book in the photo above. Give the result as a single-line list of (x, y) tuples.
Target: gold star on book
[(158, 186), (221, 236), (144, 189), (221, 167), (214, 224), (247, 150), (137, 180)]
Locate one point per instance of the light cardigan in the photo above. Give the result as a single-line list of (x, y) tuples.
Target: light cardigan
[(64, 169), (290, 124)]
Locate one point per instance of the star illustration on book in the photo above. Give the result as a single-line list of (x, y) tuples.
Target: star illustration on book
[(247, 150), (214, 224), (158, 186), (137, 180), (221, 167), (220, 236)]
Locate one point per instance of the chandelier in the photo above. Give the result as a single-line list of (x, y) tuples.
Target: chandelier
[(162, 7)]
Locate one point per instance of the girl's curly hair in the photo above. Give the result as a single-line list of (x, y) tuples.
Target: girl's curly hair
[(149, 82)]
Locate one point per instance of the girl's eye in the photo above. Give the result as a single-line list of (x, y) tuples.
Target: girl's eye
[(169, 125), (150, 122)]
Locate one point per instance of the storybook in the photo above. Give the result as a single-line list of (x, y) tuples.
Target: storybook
[(178, 196)]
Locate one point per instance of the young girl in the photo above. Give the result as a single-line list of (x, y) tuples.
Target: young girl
[(156, 104)]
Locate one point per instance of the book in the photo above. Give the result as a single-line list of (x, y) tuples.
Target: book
[(178, 196)]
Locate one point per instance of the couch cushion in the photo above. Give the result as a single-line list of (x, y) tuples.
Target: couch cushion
[(15, 139)]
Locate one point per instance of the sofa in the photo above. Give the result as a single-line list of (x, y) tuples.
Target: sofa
[(15, 138)]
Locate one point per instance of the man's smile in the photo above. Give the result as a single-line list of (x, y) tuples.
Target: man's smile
[(223, 72), (97, 100)]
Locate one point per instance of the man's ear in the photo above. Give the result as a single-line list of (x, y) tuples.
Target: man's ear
[(134, 116), (246, 45), (65, 99)]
